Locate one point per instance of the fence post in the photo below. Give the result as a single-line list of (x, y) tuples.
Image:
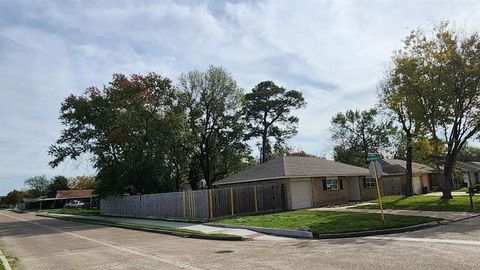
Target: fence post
[(190, 205), (284, 203), (231, 201), (194, 212), (255, 195), (184, 207), (210, 204)]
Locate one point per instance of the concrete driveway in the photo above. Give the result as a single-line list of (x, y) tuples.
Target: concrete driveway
[(42, 243)]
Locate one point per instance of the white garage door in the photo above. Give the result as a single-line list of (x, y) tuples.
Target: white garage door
[(417, 185), (301, 194)]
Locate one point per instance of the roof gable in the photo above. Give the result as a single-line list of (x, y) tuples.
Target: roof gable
[(311, 166), (292, 166), (394, 166), (471, 166)]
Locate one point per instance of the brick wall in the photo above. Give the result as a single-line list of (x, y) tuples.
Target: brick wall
[(323, 197), (368, 193)]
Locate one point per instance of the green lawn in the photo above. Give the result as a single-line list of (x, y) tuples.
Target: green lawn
[(326, 222), (12, 261), (1, 265), (426, 203), (72, 211), (463, 189)]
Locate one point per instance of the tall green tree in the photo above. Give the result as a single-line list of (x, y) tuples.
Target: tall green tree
[(37, 186), (131, 129), (469, 153), (267, 113), (358, 133), (213, 102), (443, 71), (58, 182), (394, 98), (82, 182), (14, 197), (422, 149)]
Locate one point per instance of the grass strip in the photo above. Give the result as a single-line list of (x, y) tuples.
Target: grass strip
[(72, 211), (327, 222), (426, 203)]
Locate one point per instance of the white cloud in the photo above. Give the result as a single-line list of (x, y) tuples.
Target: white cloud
[(334, 51)]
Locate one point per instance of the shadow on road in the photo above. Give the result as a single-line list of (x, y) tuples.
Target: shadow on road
[(10, 226)]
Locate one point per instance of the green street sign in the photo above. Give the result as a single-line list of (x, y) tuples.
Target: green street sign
[(373, 157)]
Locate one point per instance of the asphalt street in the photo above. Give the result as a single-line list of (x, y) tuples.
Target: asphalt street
[(42, 243)]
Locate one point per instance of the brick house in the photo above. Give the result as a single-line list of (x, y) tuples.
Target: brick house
[(394, 178), (309, 181), (471, 172)]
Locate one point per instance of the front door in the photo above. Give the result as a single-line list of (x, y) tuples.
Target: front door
[(353, 187)]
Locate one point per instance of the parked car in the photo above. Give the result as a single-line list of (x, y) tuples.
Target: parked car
[(75, 204)]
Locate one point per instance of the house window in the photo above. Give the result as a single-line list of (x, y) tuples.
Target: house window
[(332, 184), (370, 182)]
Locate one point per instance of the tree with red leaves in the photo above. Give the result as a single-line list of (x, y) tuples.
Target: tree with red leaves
[(134, 131)]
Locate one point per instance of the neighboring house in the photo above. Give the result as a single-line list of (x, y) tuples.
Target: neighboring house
[(65, 196), (471, 172), (394, 180), (309, 181), (74, 194)]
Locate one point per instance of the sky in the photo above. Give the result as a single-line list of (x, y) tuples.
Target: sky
[(335, 52)]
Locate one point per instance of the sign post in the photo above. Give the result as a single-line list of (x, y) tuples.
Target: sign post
[(376, 171), (471, 193)]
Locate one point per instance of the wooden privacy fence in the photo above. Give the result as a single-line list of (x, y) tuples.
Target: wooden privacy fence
[(198, 204)]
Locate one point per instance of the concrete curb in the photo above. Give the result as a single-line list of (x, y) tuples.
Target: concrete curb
[(378, 232), (271, 231), (152, 230), (4, 261), (309, 235), (448, 221)]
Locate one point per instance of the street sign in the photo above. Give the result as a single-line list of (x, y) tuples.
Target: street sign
[(376, 171), (373, 157), (372, 166)]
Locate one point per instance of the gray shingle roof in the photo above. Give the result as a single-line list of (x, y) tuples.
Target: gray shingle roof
[(287, 167), (471, 166), (398, 166)]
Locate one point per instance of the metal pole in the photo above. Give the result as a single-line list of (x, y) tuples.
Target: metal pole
[(470, 194), (379, 197)]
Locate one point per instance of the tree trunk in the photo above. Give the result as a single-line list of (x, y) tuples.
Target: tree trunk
[(448, 176), (409, 171), (264, 148), (205, 163)]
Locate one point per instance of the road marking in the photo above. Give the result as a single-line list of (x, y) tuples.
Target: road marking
[(123, 249), (427, 240)]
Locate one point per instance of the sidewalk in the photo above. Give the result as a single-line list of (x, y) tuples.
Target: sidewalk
[(446, 215), (182, 225), (454, 193)]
